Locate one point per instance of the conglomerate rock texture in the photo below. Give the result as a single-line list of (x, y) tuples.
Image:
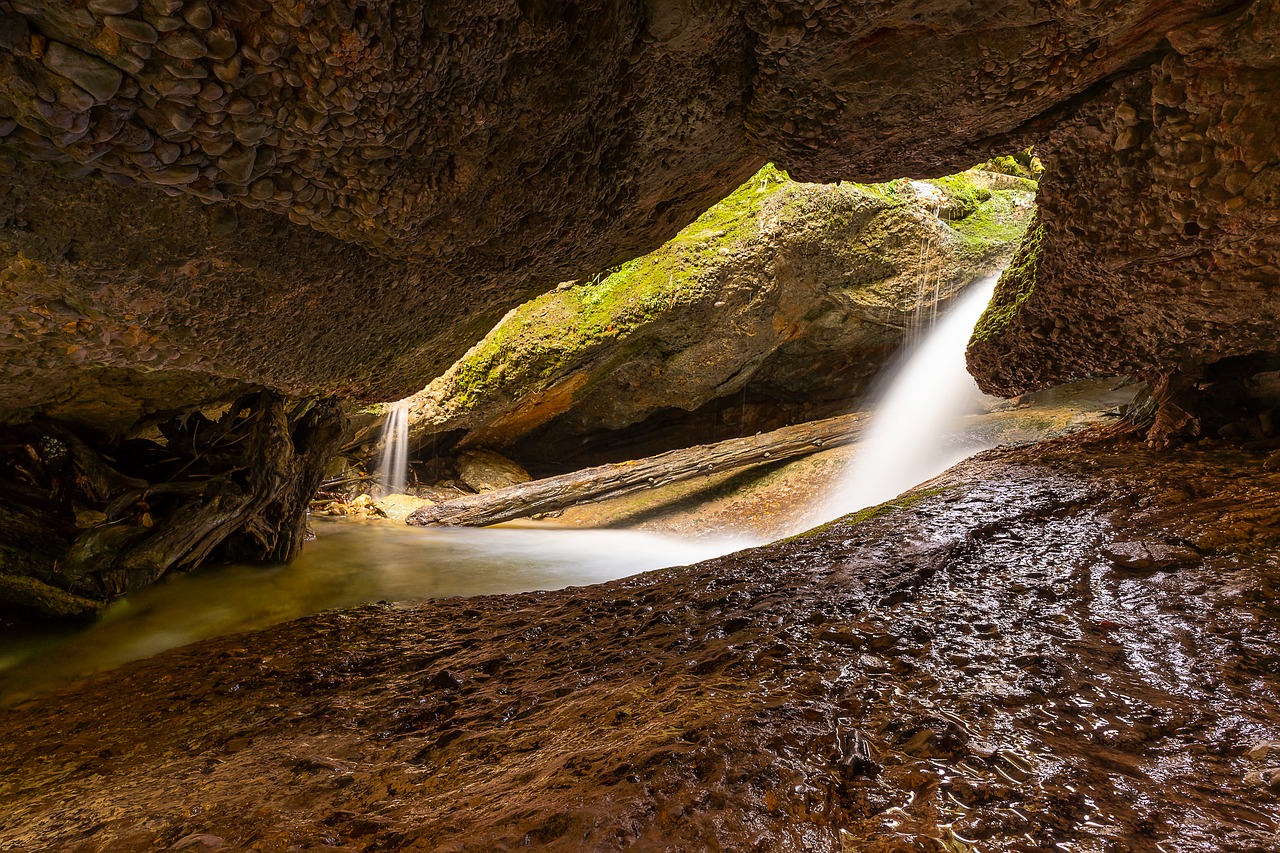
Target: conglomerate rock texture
[(202, 199), (403, 172), (1155, 250)]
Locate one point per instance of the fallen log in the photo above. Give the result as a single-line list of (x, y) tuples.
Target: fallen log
[(607, 481)]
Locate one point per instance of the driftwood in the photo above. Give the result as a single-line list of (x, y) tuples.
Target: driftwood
[(607, 481)]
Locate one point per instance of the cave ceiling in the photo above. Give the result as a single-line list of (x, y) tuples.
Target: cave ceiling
[(340, 197)]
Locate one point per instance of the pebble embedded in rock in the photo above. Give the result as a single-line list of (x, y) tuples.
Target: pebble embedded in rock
[(132, 28), (112, 7), (183, 45), (198, 15), (238, 165), (14, 33), (88, 72)]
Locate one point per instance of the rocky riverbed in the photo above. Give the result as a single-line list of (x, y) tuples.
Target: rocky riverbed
[(1071, 646)]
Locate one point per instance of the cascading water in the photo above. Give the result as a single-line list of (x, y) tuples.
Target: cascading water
[(911, 434), (393, 463)]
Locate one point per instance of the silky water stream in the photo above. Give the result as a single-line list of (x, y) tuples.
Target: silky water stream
[(915, 434)]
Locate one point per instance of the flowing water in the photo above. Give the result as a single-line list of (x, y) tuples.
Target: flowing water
[(916, 430), (348, 564), (916, 433), (393, 463)]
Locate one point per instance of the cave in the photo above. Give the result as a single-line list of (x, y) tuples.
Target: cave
[(238, 238)]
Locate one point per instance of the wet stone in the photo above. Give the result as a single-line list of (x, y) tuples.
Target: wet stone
[(132, 28), (14, 34), (198, 15), (183, 45), (166, 24), (445, 680), (1150, 555), (95, 76), (112, 7), (222, 43)]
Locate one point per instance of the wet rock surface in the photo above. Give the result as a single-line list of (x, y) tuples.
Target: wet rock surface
[(962, 669), (1154, 252)]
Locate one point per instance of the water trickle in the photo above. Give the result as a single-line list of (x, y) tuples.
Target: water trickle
[(393, 463), (912, 433)]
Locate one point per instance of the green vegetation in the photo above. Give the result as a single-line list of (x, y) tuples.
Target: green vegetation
[(993, 223), (1015, 286), (964, 197), (1024, 164), (537, 341), (538, 344)]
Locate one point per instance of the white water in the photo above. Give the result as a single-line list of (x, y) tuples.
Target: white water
[(915, 426), (393, 463)]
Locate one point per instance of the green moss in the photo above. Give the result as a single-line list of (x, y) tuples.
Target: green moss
[(1024, 164), (537, 342), (542, 341), (896, 192), (993, 224), (898, 504), (964, 197), (1014, 288)]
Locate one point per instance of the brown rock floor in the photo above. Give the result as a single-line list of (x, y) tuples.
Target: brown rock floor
[(967, 671)]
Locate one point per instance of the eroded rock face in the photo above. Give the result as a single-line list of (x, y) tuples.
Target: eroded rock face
[(492, 148), (340, 197), (1158, 229)]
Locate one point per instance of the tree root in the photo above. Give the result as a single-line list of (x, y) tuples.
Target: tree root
[(87, 523)]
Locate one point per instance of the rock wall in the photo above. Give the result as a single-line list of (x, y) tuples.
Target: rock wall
[(1155, 249), (419, 168), (201, 199)]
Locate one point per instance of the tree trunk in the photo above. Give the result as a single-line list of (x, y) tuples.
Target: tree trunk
[(607, 481)]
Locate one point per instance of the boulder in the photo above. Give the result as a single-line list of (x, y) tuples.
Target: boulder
[(399, 507), (791, 293), (485, 471)]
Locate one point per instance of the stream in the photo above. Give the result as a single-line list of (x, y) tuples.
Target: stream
[(918, 431), (348, 564)]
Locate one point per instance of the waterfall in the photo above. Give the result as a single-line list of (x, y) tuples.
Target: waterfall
[(393, 463), (911, 436)]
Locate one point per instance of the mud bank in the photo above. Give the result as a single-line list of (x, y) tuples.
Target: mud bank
[(1071, 646)]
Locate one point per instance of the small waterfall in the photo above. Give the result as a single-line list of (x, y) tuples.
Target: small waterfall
[(911, 433), (393, 463)]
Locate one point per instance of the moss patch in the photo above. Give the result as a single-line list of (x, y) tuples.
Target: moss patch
[(1014, 288), (898, 504), (993, 223), (538, 341), (964, 197)]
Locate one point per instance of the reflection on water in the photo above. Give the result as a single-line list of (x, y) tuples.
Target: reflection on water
[(348, 564)]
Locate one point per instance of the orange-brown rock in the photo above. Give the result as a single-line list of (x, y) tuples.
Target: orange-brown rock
[(341, 196)]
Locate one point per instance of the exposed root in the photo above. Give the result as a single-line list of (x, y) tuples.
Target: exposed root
[(86, 524)]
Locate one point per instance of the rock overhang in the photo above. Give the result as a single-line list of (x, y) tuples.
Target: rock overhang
[(350, 194)]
